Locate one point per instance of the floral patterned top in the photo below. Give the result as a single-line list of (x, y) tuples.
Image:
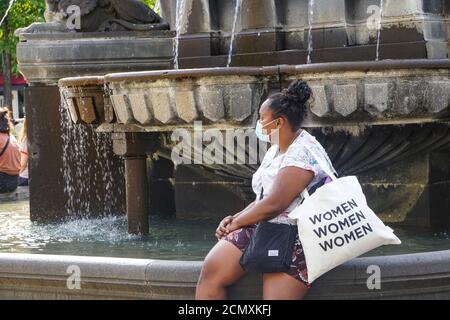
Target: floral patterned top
[(296, 155)]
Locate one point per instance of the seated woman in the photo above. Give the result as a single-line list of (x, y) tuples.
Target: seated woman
[(286, 170), (23, 142), (9, 154)]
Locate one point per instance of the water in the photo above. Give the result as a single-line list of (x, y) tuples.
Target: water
[(108, 236), (180, 8), (11, 2), (310, 21), (170, 239), (88, 183), (157, 7), (379, 31), (233, 31)]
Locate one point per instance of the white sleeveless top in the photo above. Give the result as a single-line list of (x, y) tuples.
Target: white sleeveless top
[(297, 156)]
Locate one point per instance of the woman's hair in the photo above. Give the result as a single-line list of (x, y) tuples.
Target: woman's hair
[(5, 121), (291, 103), (23, 132)]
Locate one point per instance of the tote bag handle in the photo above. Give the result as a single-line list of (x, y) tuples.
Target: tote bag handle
[(322, 165)]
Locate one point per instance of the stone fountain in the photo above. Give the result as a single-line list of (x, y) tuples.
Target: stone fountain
[(386, 121)]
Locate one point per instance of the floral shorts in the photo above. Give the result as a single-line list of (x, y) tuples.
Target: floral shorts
[(241, 237)]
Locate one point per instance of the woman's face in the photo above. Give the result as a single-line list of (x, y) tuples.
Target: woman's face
[(266, 118)]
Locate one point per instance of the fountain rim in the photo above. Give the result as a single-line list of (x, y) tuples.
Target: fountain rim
[(282, 69), (169, 279)]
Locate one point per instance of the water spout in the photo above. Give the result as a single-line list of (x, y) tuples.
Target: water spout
[(180, 8), (310, 21), (157, 6), (11, 2), (233, 31), (379, 31)]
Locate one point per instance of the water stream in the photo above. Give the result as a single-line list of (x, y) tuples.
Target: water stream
[(88, 183), (11, 2), (379, 31), (180, 8), (237, 9), (310, 22)]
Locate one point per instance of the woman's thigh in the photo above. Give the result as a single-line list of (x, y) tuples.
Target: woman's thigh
[(281, 286), (8, 183), (221, 265)]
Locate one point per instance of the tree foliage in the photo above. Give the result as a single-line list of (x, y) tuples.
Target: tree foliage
[(22, 14)]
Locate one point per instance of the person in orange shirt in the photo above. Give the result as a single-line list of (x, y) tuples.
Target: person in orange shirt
[(23, 142), (9, 154)]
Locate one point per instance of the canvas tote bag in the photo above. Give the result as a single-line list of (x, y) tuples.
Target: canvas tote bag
[(335, 224)]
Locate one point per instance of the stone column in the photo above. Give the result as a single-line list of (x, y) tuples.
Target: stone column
[(194, 26), (135, 147), (137, 191), (410, 28), (259, 23), (329, 25)]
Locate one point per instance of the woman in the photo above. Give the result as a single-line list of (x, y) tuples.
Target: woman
[(9, 154), (286, 170), (23, 142)]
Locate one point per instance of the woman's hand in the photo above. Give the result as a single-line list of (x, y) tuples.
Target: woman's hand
[(221, 230), (233, 226)]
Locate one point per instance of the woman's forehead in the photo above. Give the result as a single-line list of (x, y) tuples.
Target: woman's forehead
[(265, 110)]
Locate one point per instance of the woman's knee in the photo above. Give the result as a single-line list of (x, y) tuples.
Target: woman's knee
[(215, 270), (210, 270)]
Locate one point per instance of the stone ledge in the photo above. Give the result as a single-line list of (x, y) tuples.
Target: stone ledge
[(22, 193), (26, 276), (346, 93), (46, 58)]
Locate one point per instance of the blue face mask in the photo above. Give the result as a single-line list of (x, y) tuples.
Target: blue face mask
[(259, 131)]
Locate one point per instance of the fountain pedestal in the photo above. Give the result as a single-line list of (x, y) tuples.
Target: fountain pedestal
[(44, 58)]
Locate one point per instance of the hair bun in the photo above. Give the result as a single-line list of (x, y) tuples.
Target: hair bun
[(299, 91)]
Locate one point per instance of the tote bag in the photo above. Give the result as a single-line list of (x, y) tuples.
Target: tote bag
[(335, 224)]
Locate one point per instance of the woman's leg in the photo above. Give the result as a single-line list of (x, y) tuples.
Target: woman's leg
[(221, 268), (8, 183), (281, 286)]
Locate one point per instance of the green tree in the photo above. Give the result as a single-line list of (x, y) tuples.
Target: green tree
[(151, 4), (22, 14)]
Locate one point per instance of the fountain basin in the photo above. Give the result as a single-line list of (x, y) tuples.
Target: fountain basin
[(386, 92), (35, 260), (25, 276)]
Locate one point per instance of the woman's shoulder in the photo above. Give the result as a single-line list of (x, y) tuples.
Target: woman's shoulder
[(270, 153), (3, 137), (306, 148)]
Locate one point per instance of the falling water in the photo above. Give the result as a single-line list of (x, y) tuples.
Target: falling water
[(157, 6), (310, 21), (233, 31), (379, 31), (11, 2), (88, 185), (181, 4)]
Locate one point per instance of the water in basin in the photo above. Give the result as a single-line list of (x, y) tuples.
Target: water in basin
[(171, 239)]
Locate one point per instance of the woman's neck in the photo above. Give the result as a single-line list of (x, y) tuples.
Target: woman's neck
[(287, 139)]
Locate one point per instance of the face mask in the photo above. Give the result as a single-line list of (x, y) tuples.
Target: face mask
[(259, 131)]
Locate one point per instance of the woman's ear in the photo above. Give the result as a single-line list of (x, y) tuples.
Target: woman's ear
[(280, 122)]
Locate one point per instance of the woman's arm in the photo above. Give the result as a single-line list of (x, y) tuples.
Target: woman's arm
[(23, 161), (222, 228), (288, 184), (244, 210)]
